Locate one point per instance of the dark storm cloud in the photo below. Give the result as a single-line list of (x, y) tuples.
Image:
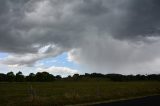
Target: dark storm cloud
[(121, 19), (115, 33), (23, 25), (92, 7), (11, 13), (142, 19)]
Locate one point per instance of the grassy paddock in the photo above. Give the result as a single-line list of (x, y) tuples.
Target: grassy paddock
[(72, 92)]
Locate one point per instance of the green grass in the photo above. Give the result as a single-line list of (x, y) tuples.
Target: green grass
[(72, 92)]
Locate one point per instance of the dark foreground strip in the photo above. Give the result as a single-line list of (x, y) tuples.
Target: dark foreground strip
[(146, 101)]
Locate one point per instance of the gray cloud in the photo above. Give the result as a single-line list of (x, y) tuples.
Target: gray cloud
[(110, 34), (29, 59), (92, 8), (111, 55), (142, 20)]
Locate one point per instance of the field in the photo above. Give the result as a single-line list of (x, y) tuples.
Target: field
[(72, 92)]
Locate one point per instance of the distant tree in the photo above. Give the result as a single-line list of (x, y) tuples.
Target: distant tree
[(97, 75), (44, 76), (76, 76), (58, 77), (87, 75), (30, 77), (68, 77), (10, 76), (19, 77), (2, 77), (153, 77), (115, 77)]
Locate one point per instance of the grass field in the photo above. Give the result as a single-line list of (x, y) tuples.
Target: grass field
[(72, 92)]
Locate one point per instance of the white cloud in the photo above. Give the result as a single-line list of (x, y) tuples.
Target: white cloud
[(74, 56), (13, 66), (64, 71)]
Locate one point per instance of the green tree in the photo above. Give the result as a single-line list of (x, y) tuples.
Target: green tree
[(58, 77), (10, 76), (31, 77), (76, 76), (2, 77), (44, 76), (19, 77)]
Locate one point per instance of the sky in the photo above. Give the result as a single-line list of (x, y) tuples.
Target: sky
[(64, 37)]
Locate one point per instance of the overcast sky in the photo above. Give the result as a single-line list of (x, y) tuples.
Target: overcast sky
[(77, 36)]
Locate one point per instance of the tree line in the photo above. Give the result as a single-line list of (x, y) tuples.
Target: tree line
[(46, 77)]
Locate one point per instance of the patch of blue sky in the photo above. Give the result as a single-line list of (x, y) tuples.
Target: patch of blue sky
[(3, 55), (60, 61)]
